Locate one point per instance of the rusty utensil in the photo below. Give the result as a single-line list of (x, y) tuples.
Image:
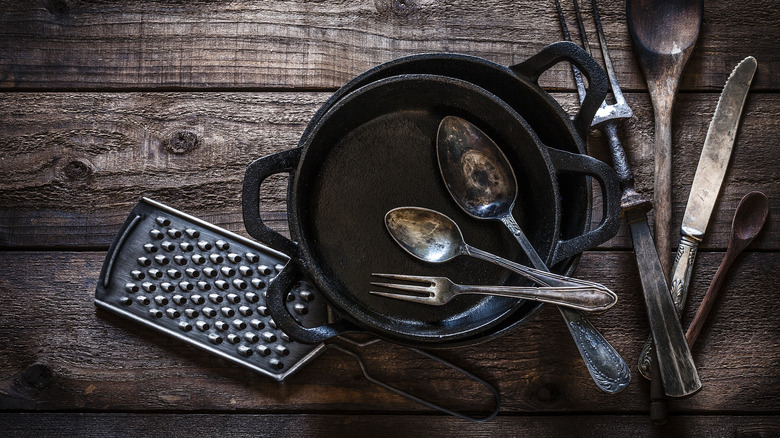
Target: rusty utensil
[(433, 237), (749, 219), (438, 291), (664, 34)]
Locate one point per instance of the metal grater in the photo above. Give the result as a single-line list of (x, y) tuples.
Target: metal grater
[(206, 286)]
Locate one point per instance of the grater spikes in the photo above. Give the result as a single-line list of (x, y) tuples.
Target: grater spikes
[(205, 285)]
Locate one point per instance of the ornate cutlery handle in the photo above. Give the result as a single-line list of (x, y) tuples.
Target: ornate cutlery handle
[(587, 299), (605, 365), (607, 368)]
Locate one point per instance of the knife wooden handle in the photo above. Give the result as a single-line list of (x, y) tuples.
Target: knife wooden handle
[(681, 276), (678, 371)]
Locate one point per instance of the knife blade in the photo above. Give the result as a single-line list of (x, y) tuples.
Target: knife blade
[(710, 172)]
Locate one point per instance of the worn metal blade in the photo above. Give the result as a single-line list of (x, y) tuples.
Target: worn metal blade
[(717, 148)]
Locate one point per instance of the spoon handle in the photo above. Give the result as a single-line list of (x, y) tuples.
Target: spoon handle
[(542, 277), (709, 298), (586, 299), (608, 369), (525, 244)]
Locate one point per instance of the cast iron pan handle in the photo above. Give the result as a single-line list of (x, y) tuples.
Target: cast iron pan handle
[(256, 173), (536, 65), (276, 294), (568, 162)]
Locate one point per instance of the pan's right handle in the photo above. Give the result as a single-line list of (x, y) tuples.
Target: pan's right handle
[(536, 65), (276, 296), (568, 162), (256, 173)]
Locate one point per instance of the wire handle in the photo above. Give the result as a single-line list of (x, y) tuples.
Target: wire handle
[(364, 369)]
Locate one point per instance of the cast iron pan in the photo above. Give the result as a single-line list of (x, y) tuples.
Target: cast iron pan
[(374, 150), (518, 86)]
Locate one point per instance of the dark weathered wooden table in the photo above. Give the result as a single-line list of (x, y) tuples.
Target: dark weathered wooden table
[(102, 102)]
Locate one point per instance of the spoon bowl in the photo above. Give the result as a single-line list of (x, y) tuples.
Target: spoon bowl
[(475, 170), (479, 177), (426, 234)]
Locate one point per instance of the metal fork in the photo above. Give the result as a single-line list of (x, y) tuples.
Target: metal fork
[(634, 205), (438, 291)]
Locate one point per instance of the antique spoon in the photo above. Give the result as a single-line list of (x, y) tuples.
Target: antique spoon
[(664, 34), (479, 177), (748, 221), (433, 237)]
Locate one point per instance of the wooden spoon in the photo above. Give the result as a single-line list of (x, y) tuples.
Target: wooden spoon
[(664, 33), (748, 220)]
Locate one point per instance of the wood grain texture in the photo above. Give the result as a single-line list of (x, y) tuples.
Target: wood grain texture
[(67, 44), (72, 165), (379, 426), (57, 352)]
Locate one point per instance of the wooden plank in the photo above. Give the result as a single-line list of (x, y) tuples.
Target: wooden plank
[(60, 353), (74, 164), (319, 425), (58, 44)]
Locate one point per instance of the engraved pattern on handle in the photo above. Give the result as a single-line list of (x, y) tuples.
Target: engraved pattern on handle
[(607, 368), (513, 227), (681, 276)]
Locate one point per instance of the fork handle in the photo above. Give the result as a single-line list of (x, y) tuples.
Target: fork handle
[(587, 299)]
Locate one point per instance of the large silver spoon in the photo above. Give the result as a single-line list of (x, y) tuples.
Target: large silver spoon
[(479, 177), (433, 237)]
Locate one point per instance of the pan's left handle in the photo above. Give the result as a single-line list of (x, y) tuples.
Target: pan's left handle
[(257, 172), (276, 297)]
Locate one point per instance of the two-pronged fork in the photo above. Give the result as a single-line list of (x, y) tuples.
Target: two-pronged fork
[(438, 291), (675, 362)]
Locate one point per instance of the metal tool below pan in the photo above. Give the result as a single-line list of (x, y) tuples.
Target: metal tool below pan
[(206, 286)]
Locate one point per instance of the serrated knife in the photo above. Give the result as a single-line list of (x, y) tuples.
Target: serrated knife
[(707, 182)]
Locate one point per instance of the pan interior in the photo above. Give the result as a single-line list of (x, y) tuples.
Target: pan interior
[(375, 151)]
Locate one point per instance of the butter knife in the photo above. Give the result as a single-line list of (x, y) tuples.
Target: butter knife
[(707, 182)]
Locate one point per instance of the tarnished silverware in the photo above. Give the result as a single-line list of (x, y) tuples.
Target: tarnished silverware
[(479, 178), (438, 291), (433, 237), (678, 371), (710, 172)]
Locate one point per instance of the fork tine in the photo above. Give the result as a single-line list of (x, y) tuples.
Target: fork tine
[(412, 278), (613, 82), (567, 36), (412, 298), (406, 287)]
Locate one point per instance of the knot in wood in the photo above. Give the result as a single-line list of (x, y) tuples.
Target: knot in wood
[(400, 8), (181, 142), (78, 169), (57, 7), (546, 392), (37, 376)]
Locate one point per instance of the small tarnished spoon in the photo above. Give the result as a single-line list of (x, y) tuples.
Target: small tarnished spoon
[(433, 237), (479, 177), (748, 221)]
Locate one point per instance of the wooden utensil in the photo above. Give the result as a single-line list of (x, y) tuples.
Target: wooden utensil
[(664, 34), (748, 221)]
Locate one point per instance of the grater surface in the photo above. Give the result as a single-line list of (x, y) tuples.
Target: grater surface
[(205, 285)]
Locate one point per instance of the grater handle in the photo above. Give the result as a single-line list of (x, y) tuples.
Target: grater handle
[(276, 295), (257, 172)]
